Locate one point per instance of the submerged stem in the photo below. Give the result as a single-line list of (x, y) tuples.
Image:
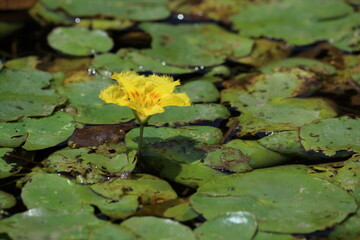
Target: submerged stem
[(140, 142)]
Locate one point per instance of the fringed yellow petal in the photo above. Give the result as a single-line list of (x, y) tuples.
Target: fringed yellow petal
[(146, 95)]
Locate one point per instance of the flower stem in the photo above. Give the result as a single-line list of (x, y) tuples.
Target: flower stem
[(140, 142)]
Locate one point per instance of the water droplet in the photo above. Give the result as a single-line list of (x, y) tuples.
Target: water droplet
[(202, 67), (180, 16), (91, 71), (331, 40), (163, 63), (77, 20), (196, 68), (141, 67)]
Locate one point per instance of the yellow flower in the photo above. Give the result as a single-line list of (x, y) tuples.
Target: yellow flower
[(145, 95)]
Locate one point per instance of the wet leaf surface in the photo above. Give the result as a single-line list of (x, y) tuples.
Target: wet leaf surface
[(199, 43), (6, 200), (283, 201), (79, 41)]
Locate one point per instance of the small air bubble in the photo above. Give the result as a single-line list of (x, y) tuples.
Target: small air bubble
[(77, 20), (141, 67), (331, 40), (163, 63), (180, 16), (202, 67), (196, 68)]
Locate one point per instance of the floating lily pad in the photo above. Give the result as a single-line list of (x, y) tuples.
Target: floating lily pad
[(329, 136), (139, 10), (24, 93), (348, 229), (275, 236), (60, 194), (42, 224), (6, 169), (89, 167), (6, 200), (174, 115), (194, 45), (269, 117), (231, 225), (198, 134), (298, 22), (312, 64), (87, 107), (37, 133), (147, 188), (200, 91), (179, 160), (152, 228), (135, 60), (259, 156), (79, 41), (284, 142), (25, 63), (182, 212), (283, 199), (44, 15)]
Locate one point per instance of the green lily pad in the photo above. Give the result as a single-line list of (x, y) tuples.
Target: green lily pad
[(312, 64), (147, 188), (152, 228), (195, 44), (181, 212), (87, 107), (329, 136), (259, 156), (275, 236), (42, 224), (6, 200), (269, 117), (199, 134), (60, 194), (231, 225), (348, 229), (284, 142), (298, 22), (139, 10), (200, 91), (33, 132), (44, 15), (79, 41), (283, 199), (23, 93), (181, 160), (174, 115), (89, 167), (343, 174), (134, 60), (6, 169), (24, 63)]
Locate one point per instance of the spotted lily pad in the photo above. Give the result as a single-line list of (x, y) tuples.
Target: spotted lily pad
[(231, 225), (194, 45), (174, 115), (329, 136), (283, 199), (152, 228), (312, 64), (259, 156), (60, 194), (299, 22), (42, 224), (269, 117), (24, 93), (89, 167), (79, 41), (37, 133), (147, 188), (139, 10), (6, 200)]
